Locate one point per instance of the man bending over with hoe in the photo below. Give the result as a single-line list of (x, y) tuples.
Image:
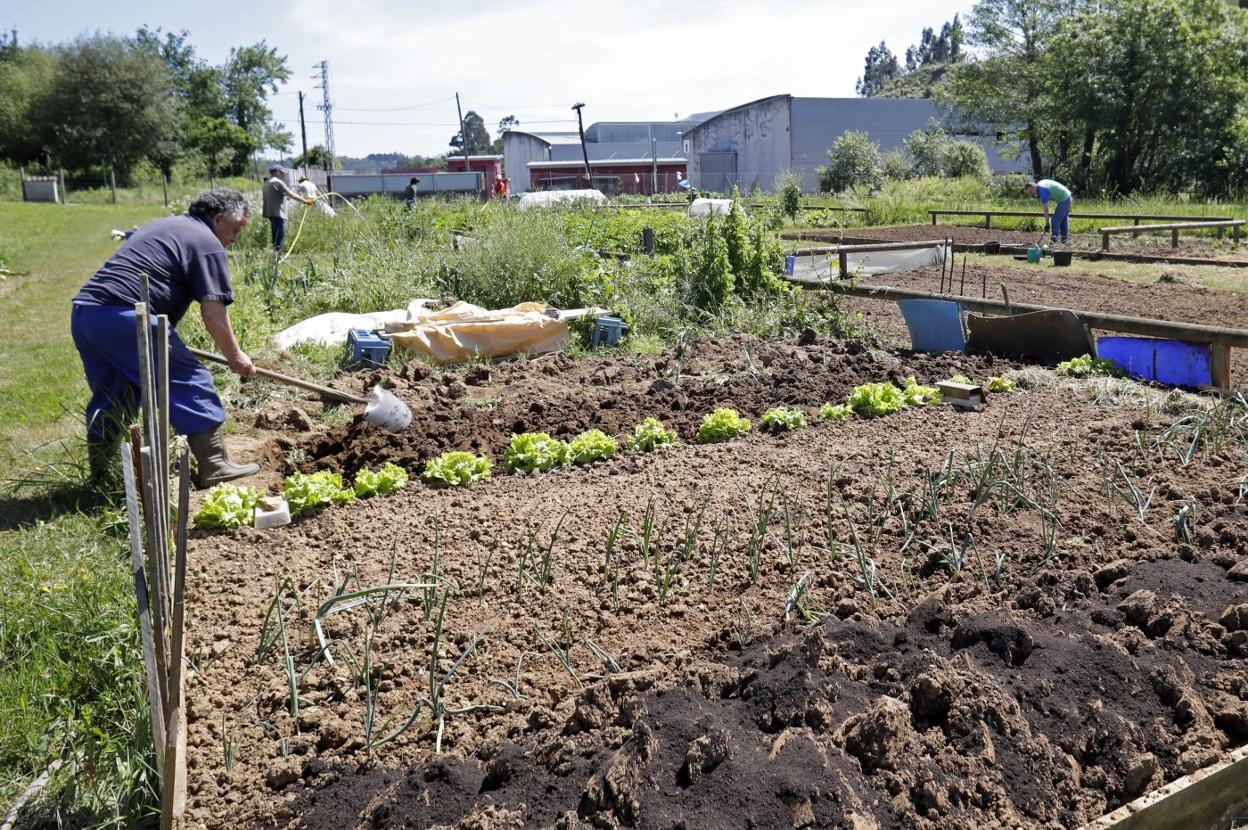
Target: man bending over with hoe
[(1047, 191), (184, 258)]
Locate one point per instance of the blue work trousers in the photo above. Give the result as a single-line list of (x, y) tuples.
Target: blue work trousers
[(107, 343), (277, 232), (1061, 221)]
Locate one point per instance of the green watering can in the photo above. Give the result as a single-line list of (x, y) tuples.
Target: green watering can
[(1034, 253)]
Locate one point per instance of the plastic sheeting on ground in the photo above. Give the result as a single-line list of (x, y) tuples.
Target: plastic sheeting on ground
[(546, 198), (706, 207), (825, 266), (463, 331), (331, 329)]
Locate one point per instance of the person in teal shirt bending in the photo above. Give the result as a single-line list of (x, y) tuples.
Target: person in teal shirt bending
[(1047, 191)]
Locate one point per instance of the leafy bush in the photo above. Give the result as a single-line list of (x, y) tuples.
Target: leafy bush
[(592, 445), (876, 399), (966, 158), (853, 162), (1087, 366), (1001, 384), (381, 482), (456, 469), (928, 149), (1007, 186), (228, 506), (789, 185), (706, 269), (782, 419), (721, 425), (309, 492), (915, 394), (835, 412), (649, 435), (531, 451), (896, 167)]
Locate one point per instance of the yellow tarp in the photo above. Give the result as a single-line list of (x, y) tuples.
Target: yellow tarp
[(458, 333)]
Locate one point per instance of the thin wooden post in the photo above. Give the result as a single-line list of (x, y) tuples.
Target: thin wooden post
[(1104, 241), (21, 180), (933, 213), (987, 221), (647, 240), (1220, 365), (112, 183), (164, 185), (60, 174), (843, 261), (1235, 234), (1174, 237)]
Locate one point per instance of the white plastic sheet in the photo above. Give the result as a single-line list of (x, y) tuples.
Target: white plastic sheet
[(546, 198), (706, 207), (826, 266)]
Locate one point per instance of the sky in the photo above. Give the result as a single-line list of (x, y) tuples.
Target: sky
[(394, 67)]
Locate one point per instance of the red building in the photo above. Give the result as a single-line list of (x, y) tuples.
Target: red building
[(491, 167), (611, 176)]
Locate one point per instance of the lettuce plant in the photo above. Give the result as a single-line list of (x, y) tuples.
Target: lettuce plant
[(1001, 384), (649, 435), (455, 469), (1087, 366), (835, 412), (309, 492), (962, 379), (592, 445), (721, 425), (782, 419), (876, 399), (228, 506), (531, 451), (915, 394), (381, 482)]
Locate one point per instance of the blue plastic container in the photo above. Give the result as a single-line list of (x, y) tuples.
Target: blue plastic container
[(1172, 362), (790, 264), (366, 348), (608, 331)]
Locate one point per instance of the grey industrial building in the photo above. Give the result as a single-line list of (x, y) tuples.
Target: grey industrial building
[(751, 144)]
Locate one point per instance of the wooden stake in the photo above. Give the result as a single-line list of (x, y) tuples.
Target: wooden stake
[(962, 286), (154, 699)]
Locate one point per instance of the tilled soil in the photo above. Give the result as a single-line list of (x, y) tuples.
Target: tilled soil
[(1171, 299), (1157, 245), (959, 647)]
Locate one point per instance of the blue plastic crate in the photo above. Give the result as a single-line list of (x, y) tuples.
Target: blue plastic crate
[(366, 348), (608, 331)]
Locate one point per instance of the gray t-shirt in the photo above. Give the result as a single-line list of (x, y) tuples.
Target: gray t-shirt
[(183, 259), (275, 193)]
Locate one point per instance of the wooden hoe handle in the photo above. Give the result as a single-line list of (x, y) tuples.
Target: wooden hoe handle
[(323, 391)]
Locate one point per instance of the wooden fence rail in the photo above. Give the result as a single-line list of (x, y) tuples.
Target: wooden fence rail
[(1136, 218), (1174, 228)]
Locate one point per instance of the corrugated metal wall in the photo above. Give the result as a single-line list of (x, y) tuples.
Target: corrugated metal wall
[(817, 122), (759, 135)]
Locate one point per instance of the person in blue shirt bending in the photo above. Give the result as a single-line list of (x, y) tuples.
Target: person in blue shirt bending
[(1047, 191), (184, 258)]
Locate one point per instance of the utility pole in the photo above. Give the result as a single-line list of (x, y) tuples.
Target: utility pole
[(580, 126), (463, 136), (303, 131), (327, 108), (654, 166)]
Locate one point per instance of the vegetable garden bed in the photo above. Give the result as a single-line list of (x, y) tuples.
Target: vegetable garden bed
[(1024, 616)]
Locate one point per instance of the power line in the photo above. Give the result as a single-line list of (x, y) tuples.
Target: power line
[(397, 109)]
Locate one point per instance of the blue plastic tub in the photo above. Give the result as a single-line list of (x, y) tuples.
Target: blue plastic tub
[(366, 348), (1172, 362), (608, 331)]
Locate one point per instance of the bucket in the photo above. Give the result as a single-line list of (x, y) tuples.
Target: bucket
[(387, 411), (992, 247), (1034, 253), (1062, 257)]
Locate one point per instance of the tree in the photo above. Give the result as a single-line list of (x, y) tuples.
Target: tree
[(880, 67), (1155, 101), (250, 75), (1008, 88), (478, 135), (219, 141), (25, 76), (853, 162), (507, 124), (317, 157), (110, 104)]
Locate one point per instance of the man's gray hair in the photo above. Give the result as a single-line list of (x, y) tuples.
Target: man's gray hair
[(220, 200)]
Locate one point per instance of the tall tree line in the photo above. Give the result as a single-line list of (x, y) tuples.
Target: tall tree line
[(934, 49), (104, 101), (1116, 97)]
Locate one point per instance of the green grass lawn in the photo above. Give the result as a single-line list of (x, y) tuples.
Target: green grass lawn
[(70, 668)]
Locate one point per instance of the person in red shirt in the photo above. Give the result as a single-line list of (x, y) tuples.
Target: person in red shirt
[(502, 187)]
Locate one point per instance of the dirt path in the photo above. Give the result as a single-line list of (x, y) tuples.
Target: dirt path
[(1060, 657)]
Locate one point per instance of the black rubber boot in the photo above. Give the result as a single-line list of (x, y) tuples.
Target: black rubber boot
[(214, 464)]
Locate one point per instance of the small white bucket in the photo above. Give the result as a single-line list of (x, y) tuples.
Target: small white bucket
[(387, 411)]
